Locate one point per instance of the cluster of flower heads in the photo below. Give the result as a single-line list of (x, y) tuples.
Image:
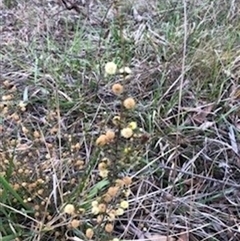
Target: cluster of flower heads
[(103, 210), (113, 201), (128, 103)]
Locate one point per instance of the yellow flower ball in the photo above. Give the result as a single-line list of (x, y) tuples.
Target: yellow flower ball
[(129, 103), (111, 217), (107, 198), (119, 211), (126, 132), (116, 120), (102, 166), (95, 210), (127, 180), (103, 173), (101, 140), (124, 204), (112, 191), (132, 125), (110, 68), (82, 210), (110, 134), (119, 183), (89, 233), (108, 227), (69, 209), (117, 89), (102, 208), (75, 223), (94, 203)]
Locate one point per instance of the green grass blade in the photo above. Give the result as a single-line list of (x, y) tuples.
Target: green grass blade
[(7, 187)]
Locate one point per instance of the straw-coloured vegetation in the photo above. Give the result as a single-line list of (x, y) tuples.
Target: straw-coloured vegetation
[(120, 120)]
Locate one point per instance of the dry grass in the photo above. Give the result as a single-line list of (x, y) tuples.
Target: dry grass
[(56, 101)]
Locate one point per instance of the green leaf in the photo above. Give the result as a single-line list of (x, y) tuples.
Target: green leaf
[(8, 188), (8, 238)]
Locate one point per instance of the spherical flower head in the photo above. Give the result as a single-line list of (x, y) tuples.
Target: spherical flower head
[(103, 173), (94, 203), (110, 68), (102, 207), (116, 120), (119, 183), (107, 198), (119, 211), (101, 140), (112, 191), (89, 233), (95, 210), (127, 180), (117, 89), (82, 210), (129, 103), (126, 132), (124, 204), (110, 134), (75, 223), (108, 227), (133, 125), (69, 209), (111, 216), (102, 166)]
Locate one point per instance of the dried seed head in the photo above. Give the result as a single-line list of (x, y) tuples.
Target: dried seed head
[(89, 233), (117, 89), (101, 140), (126, 132), (129, 103), (69, 209), (110, 68), (108, 227)]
